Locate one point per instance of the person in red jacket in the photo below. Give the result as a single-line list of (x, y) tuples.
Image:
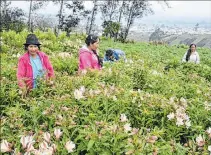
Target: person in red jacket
[(88, 55), (33, 64)]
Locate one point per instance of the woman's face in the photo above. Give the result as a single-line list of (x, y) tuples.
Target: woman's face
[(95, 45), (32, 49), (193, 48)]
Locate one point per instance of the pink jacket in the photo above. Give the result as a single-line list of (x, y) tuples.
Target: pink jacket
[(25, 72), (87, 59)]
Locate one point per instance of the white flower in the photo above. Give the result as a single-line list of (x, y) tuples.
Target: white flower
[(207, 106), (127, 127), (113, 128), (171, 100), (78, 94), (59, 116), (82, 89), (109, 70), (47, 137), (43, 146), (208, 130), (57, 133), (123, 118), (170, 116), (154, 72), (114, 98), (30, 147), (134, 100), (25, 140), (70, 146), (209, 148), (18, 55), (84, 71), (5, 146), (200, 141), (188, 124), (179, 121)]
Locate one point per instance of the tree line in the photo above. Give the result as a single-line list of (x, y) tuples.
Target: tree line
[(113, 14)]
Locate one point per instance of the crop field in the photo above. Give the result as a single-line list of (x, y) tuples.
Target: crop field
[(152, 104)]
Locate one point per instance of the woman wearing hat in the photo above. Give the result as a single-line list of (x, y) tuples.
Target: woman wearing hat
[(33, 64)]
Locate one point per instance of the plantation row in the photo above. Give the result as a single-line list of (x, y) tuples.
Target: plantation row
[(151, 104)]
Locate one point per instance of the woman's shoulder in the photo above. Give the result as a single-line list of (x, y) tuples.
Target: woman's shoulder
[(42, 54), (24, 56)]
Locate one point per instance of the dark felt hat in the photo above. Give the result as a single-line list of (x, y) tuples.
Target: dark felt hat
[(31, 39)]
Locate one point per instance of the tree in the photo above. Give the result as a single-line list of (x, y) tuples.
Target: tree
[(110, 28), (94, 10), (34, 5), (11, 18), (43, 22), (109, 10), (60, 15), (78, 12), (135, 9)]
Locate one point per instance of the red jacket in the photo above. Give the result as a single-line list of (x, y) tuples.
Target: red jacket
[(25, 72), (87, 59)]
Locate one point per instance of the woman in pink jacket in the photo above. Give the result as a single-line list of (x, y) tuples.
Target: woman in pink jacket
[(33, 64), (88, 57)]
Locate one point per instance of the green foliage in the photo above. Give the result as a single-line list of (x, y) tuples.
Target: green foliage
[(148, 87), (110, 28)]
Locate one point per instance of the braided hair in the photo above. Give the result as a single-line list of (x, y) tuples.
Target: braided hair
[(91, 39), (189, 52)]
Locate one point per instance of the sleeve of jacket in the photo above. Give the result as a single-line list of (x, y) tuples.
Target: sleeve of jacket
[(21, 73), (49, 67)]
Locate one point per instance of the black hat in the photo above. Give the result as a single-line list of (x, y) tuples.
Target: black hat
[(31, 39)]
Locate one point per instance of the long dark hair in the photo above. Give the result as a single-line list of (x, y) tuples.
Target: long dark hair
[(189, 52), (91, 39)]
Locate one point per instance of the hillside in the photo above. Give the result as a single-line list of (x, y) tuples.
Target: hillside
[(201, 40), (153, 104)]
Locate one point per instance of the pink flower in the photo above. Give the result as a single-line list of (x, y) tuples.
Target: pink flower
[(5, 146), (57, 133), (200, 141), (64, 108), (70, 146), (134, 131), (123, 118), (43, 146), (30, 147), (47, 137), (152, 139), (25, 140)]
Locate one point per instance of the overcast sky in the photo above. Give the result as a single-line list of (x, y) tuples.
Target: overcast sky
[(180, 10)]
